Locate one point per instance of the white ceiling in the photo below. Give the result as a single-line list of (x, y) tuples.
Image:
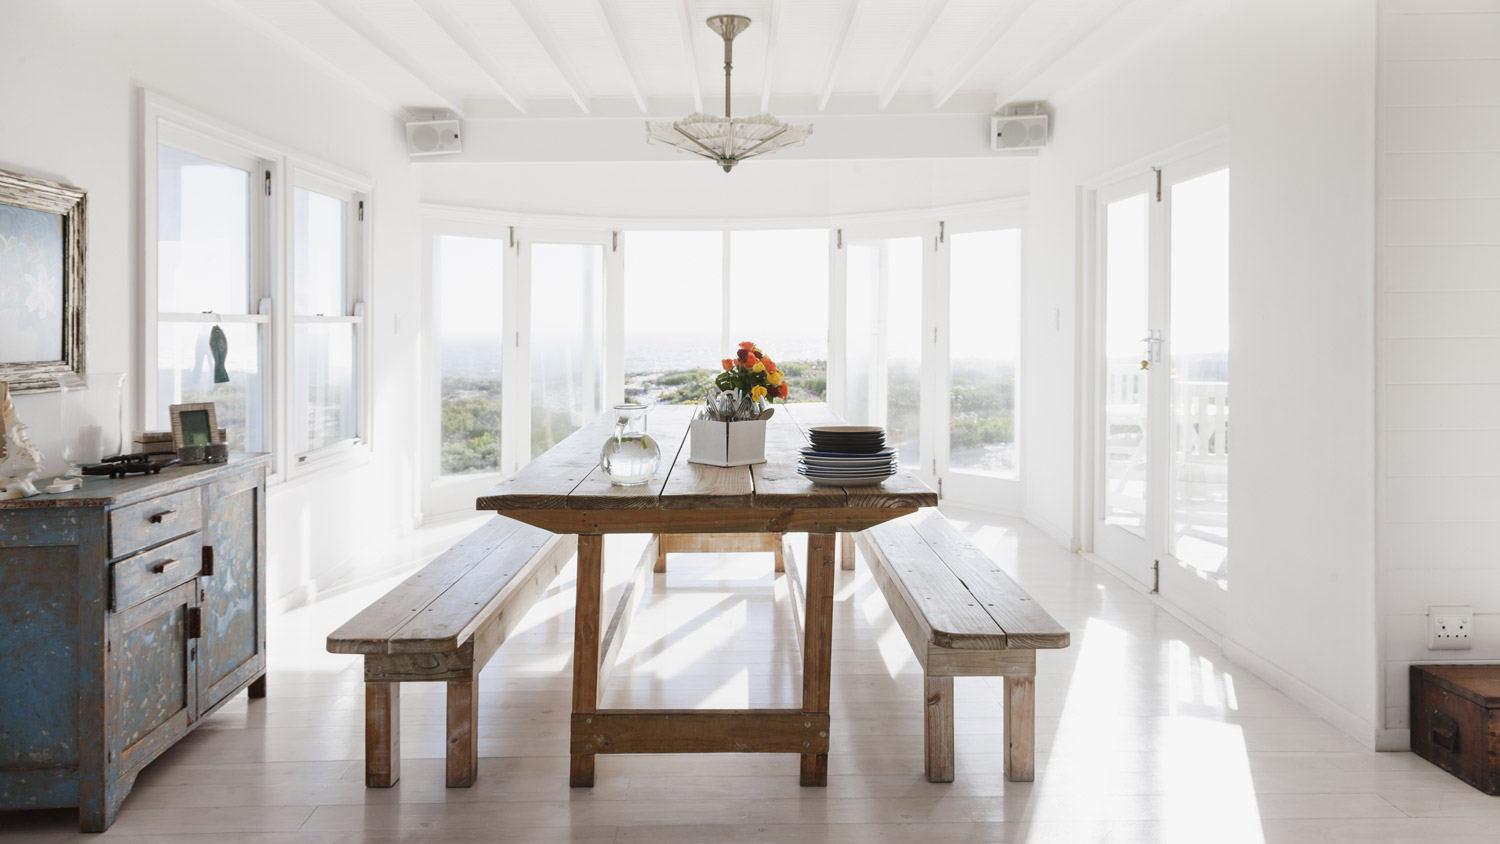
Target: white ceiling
[(568, 58)]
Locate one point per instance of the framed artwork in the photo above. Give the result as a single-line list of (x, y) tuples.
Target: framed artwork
[(194, 424), (43, 234)]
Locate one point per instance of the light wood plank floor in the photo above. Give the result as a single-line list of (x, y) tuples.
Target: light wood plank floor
[(1145, 733)]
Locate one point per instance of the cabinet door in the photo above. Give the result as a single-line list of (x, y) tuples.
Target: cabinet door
[(233, 596), (153, 677)]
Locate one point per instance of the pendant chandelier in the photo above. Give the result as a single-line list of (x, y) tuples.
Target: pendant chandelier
[(727, 141)]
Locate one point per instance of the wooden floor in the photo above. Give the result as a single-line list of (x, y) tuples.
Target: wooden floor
[(1145, 734)]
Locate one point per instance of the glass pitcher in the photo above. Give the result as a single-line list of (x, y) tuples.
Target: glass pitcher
[(630, 457)]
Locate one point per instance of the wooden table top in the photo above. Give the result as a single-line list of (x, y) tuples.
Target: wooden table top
[(567, 479)]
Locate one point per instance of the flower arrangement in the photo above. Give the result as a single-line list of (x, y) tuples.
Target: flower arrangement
[(753, 373)]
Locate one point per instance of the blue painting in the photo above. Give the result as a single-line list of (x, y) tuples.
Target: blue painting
[(31, 285)]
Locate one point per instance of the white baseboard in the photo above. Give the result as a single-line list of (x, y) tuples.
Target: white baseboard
[(1170, 608), (1321, 705), (1392, 740), (1057, 534)]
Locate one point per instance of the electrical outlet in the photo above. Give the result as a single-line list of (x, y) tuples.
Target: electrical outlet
[(1450, 628)]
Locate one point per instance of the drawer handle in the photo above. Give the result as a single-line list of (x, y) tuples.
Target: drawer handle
[(156, 518), (1445, 731), (163, 566)]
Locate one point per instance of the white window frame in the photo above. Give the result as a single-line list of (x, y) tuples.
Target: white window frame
[(356, 195), (166, 122)]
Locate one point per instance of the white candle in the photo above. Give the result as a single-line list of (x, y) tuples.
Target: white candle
[(90, 444)]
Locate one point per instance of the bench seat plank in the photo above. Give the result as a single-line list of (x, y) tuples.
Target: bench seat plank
[(370, 631), (1025, 623), (949, 614), (452, 617)]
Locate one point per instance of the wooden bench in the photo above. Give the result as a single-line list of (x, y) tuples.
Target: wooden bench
[(963, 618), (443, 624)]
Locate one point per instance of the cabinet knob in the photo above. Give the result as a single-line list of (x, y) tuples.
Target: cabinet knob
[(156, 518), (163, 566)]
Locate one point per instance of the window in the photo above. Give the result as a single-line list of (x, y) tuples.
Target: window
[(327, 318), (884, 341), (778, 283), (211, 269), (984, 349), (673, 315), (567, 342), (468, 280), (242, 237)]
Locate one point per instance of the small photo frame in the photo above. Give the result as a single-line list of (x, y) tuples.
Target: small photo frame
[(195, 424)]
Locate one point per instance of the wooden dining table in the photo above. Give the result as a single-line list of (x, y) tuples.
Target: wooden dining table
[(565, 491)]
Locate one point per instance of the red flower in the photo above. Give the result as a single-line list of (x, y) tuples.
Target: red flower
[(742, 354), (781, 391)]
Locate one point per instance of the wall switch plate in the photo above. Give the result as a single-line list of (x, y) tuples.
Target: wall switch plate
[(1450, 628)]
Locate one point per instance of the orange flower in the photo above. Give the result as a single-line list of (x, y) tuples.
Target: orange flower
[(728, 363), (748, 346), (751, 360), (782, 391), (770, 364)]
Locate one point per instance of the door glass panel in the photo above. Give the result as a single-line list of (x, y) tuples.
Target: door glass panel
[(1200, 373), (674, 291), (778, 282), (468, 274), (984, 347), (883, 313), (203, 235), (1126, 300), (567, 342)]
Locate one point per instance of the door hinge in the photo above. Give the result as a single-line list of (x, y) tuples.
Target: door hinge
[(942, 235), (614, 241), (1157, 171), (208, 560), (1155, 576), (513, 237), (194, 623), (940, 489), (840, 242), (934, 335), (268, 183), (361, 210)]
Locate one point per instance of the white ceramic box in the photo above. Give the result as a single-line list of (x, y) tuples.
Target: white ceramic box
[(727, 443)]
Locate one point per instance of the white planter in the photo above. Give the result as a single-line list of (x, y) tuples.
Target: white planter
[(727, 443)]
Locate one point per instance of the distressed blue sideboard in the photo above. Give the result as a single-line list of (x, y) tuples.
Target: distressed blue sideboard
[(129, 611)]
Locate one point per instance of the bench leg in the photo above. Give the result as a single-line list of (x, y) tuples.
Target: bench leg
[(661, 554), (588, 612), (382, 734), (937, 724), (1020, 729), (846, 551), (463, 732), (777, 544), (817, 645)]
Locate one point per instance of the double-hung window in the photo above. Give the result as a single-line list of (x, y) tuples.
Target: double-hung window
[(327, 317)]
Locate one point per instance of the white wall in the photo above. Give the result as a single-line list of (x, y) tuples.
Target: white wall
[(71, 113), (1439, 385), (1293, 82)]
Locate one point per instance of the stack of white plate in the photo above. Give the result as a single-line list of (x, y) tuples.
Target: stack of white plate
[(847, 455)]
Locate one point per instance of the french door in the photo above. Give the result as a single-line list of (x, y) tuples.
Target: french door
[(931, 327), (1161, 381)]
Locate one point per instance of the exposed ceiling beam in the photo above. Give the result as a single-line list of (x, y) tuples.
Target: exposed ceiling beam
[(449, 21), (1059, 48), (981, 51), (317, 59), (351, 17), (613, 25), (914, 46), (838, 55), (532, 20), (685, 22), (774, 27)]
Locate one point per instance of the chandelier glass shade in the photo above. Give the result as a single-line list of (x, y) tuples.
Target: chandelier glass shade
[(727, 140)]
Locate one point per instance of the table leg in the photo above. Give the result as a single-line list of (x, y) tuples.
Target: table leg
[(588, 613), (846, 551), (817, 645)]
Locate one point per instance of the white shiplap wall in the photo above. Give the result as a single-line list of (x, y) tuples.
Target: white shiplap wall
[(1438, 273)]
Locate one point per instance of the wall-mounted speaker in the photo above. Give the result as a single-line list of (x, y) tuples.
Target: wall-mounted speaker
[(433, 137), (1018, 131)]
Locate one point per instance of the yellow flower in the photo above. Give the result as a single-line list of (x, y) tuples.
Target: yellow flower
[(757, 392), (758, 367), (775, 378)]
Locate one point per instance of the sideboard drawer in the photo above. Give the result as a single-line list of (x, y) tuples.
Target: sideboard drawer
[(153, 572), (149, 522)]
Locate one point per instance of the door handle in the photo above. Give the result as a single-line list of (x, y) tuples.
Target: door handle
[(156, 518), (208, 560)]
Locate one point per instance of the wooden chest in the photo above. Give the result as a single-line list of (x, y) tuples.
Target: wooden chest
[(129, 610), (1455, 721)]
